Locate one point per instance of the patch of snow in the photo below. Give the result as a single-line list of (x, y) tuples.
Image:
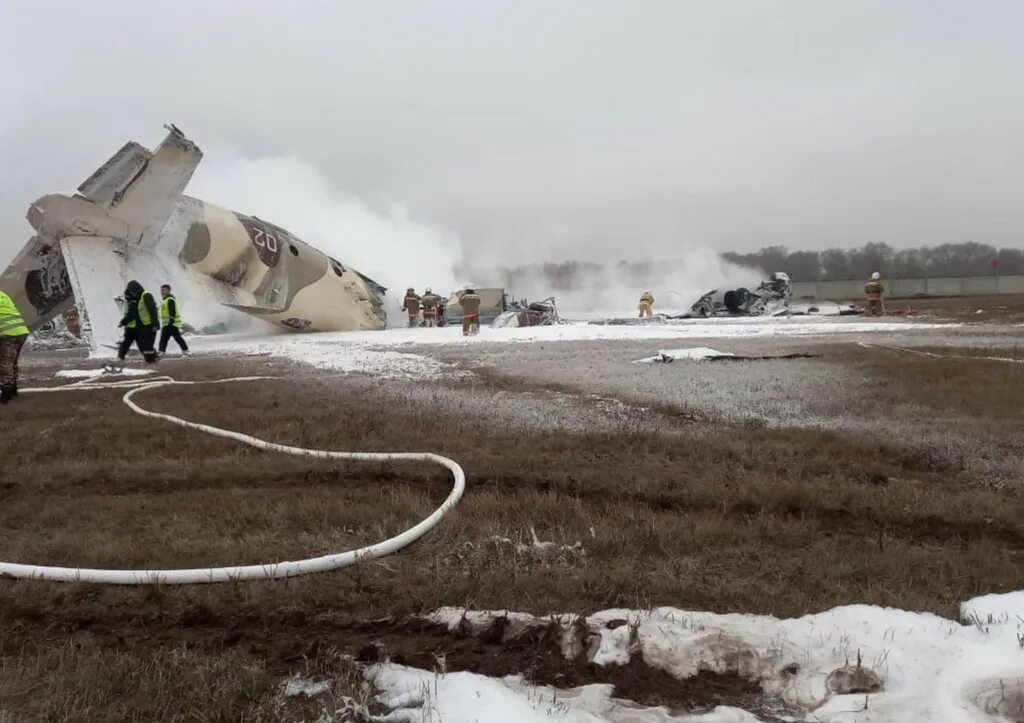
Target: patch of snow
[(994, 609), (374, 351), (854, 663), (695, 353), (334, 355), (89, 373), (581, 331), (471, 698)]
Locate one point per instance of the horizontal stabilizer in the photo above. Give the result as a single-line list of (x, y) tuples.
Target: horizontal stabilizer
[(110, 179), (37, 281)]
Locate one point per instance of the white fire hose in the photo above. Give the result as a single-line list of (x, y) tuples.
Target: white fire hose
[(264, 571)]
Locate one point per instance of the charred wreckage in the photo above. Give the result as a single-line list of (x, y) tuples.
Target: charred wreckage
[(772, 297)]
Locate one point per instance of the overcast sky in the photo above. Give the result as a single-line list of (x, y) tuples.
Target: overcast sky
[(567, 129)]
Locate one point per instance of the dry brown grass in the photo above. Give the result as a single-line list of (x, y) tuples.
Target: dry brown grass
[(700, 516), (995, 309), (83, 683)]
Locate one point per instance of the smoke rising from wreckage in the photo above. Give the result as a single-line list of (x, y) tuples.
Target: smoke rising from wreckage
[(130, 220)]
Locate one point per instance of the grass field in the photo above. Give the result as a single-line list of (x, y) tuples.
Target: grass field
[(860, 475)]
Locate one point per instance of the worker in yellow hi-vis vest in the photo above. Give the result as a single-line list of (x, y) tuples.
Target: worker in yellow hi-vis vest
[(170, 321), (140, 322), (13, 333)]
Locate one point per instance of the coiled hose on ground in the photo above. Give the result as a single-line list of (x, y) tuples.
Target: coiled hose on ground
[(265, 571)]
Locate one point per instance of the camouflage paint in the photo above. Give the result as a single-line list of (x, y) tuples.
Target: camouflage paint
[(252, 265)]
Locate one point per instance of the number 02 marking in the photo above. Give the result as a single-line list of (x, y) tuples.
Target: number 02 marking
[(265, 240)]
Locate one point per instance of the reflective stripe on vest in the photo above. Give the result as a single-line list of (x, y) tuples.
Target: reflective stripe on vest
[(11, 321), (165, 312)]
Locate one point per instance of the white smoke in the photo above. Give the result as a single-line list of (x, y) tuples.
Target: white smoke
[(387, 246), (602, 288), (398, 252)]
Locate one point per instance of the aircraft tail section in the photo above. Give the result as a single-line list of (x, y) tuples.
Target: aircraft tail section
[(99, 269), (111, 179), (139, 187)]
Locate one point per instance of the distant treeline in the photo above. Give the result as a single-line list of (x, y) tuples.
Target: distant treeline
[(575, 275), (964, 259)]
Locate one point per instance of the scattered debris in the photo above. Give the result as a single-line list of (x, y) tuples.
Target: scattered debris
[(301, 685), (734, 357), (520, 313), (666, 356), (470, 555), (769, 299), (89, 373), (703, 353)]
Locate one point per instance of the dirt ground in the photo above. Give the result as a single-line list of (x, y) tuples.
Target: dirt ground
[(993, 309), (861, 474)]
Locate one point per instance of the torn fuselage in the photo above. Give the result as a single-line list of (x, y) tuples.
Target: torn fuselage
[(130, 219), (769, 299)]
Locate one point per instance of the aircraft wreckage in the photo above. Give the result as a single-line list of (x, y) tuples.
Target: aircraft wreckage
[(771, 298), (130, 220)]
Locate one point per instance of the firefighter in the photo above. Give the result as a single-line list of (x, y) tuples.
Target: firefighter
[(170, 321), (431, 306), (469, 300), (140, 322), (873, 291), (412, 305), (13, 333), (646, 304)]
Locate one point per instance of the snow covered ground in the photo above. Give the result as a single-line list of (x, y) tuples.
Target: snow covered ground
[(374, 351), (851, 664), (581, 331)]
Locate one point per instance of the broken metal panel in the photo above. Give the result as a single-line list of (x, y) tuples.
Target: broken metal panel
[(110, 179), (37, 281), (538, 313), (97, 270)]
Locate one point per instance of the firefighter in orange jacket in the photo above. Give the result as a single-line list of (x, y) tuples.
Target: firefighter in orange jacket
[(470, 302), (873, 291), (431, 303), (646, 304), (412, 305)]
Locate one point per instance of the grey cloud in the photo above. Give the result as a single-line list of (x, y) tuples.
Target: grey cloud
[(583, 128)]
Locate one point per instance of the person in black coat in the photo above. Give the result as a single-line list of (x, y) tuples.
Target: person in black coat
[(141, 322)]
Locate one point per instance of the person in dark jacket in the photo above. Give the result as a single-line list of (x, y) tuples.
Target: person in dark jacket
[(170, 321), (141, 322)]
